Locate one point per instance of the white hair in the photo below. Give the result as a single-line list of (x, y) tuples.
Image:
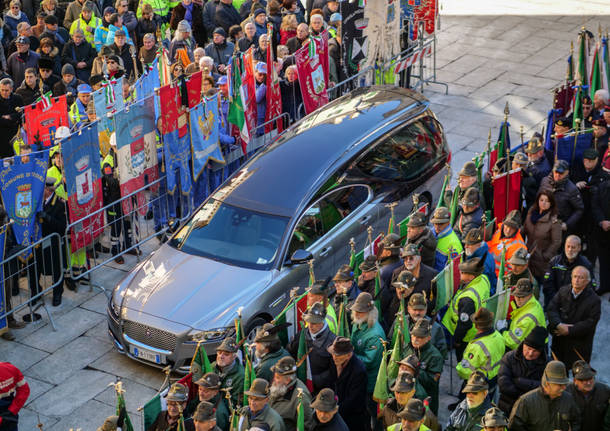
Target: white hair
[(206, 61), (603, 94)]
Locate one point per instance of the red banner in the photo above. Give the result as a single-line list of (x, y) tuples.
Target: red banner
[(312, 68), (248, 88), (42, 123), (169, 101), (193, 88), (274, 95), (425, 12), (507, 193)]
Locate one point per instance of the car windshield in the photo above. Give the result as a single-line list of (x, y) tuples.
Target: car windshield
[(233, 235)]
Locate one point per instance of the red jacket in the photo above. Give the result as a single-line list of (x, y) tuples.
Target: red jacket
[(13, 384)]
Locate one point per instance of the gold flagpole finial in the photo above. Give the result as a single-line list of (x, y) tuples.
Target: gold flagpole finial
[(352, 245), (506, 111)]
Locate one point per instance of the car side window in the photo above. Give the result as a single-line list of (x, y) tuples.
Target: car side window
[(406, 153), (325, 214)]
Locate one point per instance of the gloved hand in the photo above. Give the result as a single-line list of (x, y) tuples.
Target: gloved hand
[(43, 217), (501, 325)]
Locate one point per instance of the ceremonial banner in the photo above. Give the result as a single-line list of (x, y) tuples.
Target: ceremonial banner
[(382, 31), (148, 81), (507, 193), (84, 185), (136, 151), (205, 135), (571, 148), (22, 186), (425, 11), (177, 153), (312, 68), (248, 91), (499, 304), (274, 95), (354, 43), (107, 101), (193, 88), (236, 115), (170, 102), (3, 321), (43, 119)]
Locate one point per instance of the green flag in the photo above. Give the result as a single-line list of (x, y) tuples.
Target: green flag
[(454, 207), (444, 287), (377, 293), (396, 354), (499, 304), (200, 364), (302, 351), (236, 113), (381, 393), (355, 262), (343, 330), (403, 228), (441, 198), (152, 409), (596, 76), (581, 72), (300, 414), (120, 405), (249, 376)]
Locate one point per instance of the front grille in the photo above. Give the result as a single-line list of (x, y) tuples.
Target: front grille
[(150, 336)]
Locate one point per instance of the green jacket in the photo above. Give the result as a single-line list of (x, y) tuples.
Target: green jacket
[(477, 291), (431, 363), (232, 379), (369, 349), (266, 416), (286, 406), (223, 415), (484, 353), (263, 367)]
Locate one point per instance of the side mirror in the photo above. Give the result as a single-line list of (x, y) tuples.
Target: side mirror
[(300, 256)]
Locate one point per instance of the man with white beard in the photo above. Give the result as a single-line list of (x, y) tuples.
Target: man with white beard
[(468, 413), (287, 391), (560, 268)]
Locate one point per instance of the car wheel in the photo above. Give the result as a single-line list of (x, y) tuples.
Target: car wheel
[(258, 322)]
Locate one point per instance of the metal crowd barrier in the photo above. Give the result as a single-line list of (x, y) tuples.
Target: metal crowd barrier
[(28, 274), (362, 78)]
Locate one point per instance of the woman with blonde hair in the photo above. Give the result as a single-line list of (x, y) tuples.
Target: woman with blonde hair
[(51, 7), (288, 28)]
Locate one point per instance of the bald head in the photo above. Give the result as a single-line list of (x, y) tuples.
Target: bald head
[(580, 279)]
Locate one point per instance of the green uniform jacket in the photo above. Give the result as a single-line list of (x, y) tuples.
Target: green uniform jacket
[(523, 320), (266, 416), (478, 291), (484, 353), (286, 406), (398, 427), (223, 416), (369, 349), (263, 368), (232, 379), (431, 363)]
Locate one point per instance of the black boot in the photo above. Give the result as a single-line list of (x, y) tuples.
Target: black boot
[(70, 284)]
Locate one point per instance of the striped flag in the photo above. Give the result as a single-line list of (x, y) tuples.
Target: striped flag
[(47, 100), (303, 364)]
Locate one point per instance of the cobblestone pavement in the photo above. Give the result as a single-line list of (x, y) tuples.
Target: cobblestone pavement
[(489, 52)]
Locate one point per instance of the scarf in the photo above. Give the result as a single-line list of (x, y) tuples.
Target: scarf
[(538, 215), (12, 15), (188, 14), (57, 36)]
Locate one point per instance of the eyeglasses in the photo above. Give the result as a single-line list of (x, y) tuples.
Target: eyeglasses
[(15, 7), (111, 62)]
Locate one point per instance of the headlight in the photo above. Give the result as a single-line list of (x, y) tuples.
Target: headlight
[(115, 302), (212, 334)]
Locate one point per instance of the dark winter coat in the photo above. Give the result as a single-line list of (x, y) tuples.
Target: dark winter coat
[(426, 242), (335, 424), (221, 54), (423, 285), (540, 169), (209, 16), (583, 313), (11, 125), (518, 376), (320, 360), (291, 98), (244, 43), (226, 16), (543, 241), (559, 273), (17, 63), (570, 206), (465, 419), (29, 95), (594, 407), (536, 411), (466, 222), (600, 207), (197, 26), (74, 54), (294, 44), (350, 389)]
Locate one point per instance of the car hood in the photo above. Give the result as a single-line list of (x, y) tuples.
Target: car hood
[(192, 290)]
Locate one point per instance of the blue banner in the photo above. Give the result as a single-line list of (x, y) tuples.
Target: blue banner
[(177, 154), (146, 84), (550, 125), (570, 148), (205, 135), (106, 100), (3, 321), (22, 186)]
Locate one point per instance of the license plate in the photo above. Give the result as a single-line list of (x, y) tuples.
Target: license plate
[(147, 355)]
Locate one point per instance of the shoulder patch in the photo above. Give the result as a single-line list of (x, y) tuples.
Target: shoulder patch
[(518, 332), (464, 317), (464, 363), (470, 355)]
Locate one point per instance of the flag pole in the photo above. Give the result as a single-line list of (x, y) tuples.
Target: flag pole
[(577, 121)]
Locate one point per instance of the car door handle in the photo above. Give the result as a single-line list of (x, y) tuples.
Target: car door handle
[(365, 219), (325, 251)]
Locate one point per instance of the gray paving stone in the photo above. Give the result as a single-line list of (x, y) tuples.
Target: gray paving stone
[(555, 70), (493, 90), (73, 392), (527, 91), (513, 66), (48, 340), (96, 304), (448, 76), (468, 103), (136, 395), (23, 357), (513, 102), (480, 76), (37, 388), (458, 142), (465, 63), (90, 416), (479, 118), (119, 365), (100, 332), (28, 420), (475, 131), (458, 159), (524, 79), (69, 359)]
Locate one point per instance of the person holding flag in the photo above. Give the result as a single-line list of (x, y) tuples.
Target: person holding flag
[(412, 417), (318, 337), (538, 166), (469, 412), (258, 411), (474, 246), (169, 420), (326, 409), (419, 233), (287, 393), (208, 390), (519, 263), (368, 274), (388, 257), (470, 214), (318, 292), (347, 289), (404, 391), (417, 309), (268, 350), (431, 360), (473, 290), (448, 244), (229, 369)]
